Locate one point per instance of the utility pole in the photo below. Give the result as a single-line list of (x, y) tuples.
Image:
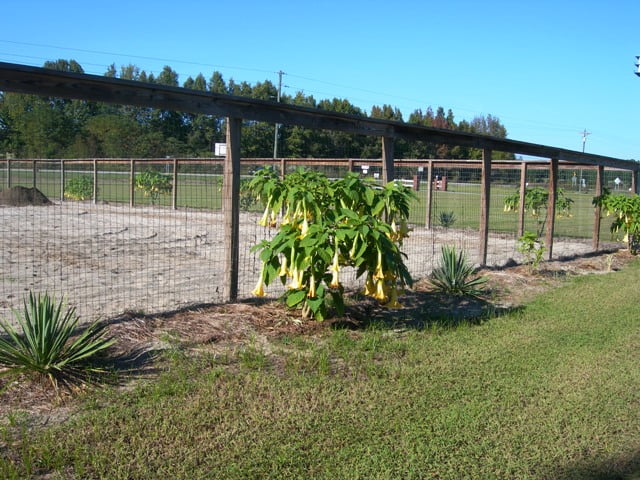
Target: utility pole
[(275, 140), (584, 134)]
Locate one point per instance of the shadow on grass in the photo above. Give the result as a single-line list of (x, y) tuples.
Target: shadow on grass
[(422, 309), (622, 468)]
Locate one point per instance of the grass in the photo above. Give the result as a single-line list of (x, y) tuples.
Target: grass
[(551, 391)]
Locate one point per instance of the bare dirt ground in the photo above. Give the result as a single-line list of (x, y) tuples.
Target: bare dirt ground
[(227, 328), (109, 259)]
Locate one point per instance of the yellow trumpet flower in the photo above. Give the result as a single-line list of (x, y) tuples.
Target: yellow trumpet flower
[(381, 291), (304, 228), (370, 287), (379, 274), (283, 268), (259, 290), (393, 301), (312, 287), (335, 280), (263, 222), (273, 219), (296, 279)]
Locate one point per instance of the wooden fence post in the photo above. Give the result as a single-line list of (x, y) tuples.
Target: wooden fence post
[(8, 173), (427, 220), (231, 209), (174, 189), (388, 173), (132, 182), (33, 174), (551, 206), (95, 181), (595, 241), (634, 181), (283, 168), (523, 193), (485, 195), (62, 180)]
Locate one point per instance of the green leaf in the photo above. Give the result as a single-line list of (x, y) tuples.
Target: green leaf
[(295, 298)]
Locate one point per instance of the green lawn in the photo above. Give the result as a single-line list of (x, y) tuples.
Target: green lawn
[(550, 391)]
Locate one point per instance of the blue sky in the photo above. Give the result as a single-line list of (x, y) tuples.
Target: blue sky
[(547, 69)]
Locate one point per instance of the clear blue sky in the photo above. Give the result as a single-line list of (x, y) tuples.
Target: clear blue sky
[(547, 69)]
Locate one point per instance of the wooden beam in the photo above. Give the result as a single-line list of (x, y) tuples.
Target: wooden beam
[(132, 182), (485, 195), (595, 240), (387, 160), (174, 189), (62, 180), (231, 209), (54, 83), (427, 221), (523, 194), (551, 206)]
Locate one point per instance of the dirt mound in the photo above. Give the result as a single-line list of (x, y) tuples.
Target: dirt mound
[(21, 196)]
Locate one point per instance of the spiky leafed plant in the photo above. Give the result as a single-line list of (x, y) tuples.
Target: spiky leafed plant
[(447, 219), (47, 346), (454, 275)]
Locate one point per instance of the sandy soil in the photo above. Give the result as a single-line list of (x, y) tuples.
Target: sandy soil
[(109, 259)]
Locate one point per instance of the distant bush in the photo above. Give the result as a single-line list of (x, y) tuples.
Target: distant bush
[(153, 184), (79, 188), (447, 219)]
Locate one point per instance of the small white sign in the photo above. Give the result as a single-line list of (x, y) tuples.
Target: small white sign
[(221, 150)]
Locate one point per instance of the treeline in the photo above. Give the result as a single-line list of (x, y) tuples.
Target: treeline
[(40, 127)]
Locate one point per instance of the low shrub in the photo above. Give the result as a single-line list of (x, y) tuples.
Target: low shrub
[(454, 275), (79, 188), (47, 346)]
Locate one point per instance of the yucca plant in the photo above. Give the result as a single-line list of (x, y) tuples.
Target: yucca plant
[(447, 219), (455, 274), (47, 346)]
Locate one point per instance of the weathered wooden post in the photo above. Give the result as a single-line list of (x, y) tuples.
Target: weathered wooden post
[(132, 181), (388, 173), (427, 220), (485, 194), (95, 181), (283, 168), (551, 206), (33, 175), (174, 186), (231, 209), (523, 194), (62, 180), (595, 241), (634, 181)]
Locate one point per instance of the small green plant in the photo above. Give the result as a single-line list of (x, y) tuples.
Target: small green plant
[(153, 184), (532, 249), (535, 203), (47, 346), (79, 188), (447, 219), (454, 275), (627, 217)]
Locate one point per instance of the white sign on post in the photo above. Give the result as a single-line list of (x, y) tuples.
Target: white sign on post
[(220, 150)]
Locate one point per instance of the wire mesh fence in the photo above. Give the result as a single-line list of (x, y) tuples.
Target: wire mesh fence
[(110, 243)]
